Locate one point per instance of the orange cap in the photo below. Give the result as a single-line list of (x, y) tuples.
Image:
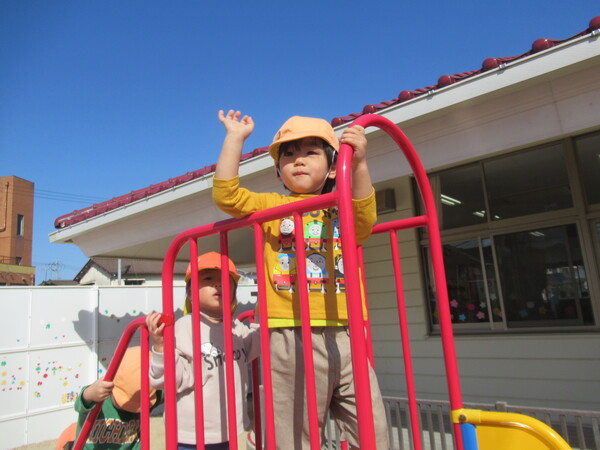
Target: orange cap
[(126, 393), (297, 127), (211, 260)]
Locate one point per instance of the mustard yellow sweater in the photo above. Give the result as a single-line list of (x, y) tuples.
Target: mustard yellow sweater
[(324, 264)]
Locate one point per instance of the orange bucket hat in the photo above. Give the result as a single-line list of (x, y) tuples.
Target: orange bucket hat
[(212, 260), (297, 127), (68, 435), (126, 393)]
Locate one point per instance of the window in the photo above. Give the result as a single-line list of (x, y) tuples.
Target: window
[(527, 183), (133, 282), (543, 279), (588, 155), (460, 197), (512, 238), (20, 225), (472, 286)]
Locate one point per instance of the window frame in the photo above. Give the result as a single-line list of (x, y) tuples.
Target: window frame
[(585, 218), (20, 229)]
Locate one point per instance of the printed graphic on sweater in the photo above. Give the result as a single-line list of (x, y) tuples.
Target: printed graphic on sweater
[(284, 273), (114, 431), (340, 282), (286, 236), (318, 227), (214, 357)]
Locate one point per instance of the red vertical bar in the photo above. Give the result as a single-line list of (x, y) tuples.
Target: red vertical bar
[(255, 388), (227, 330), (309, 366), (264, 338), (197, 345), (362, 384), (256, 404), (437, 260), (144, 390), (170, 390), (404, 336)]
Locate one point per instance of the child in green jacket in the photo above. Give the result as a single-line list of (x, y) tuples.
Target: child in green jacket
[(118, 423)]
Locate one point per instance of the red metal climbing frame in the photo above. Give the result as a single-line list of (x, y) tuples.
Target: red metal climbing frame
[(463, 420)]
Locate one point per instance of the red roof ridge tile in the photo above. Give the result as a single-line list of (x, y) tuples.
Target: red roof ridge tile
[(99, 208), (446, 80)]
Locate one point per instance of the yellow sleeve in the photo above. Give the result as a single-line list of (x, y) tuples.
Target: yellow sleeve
[(365, 216), (234, 200)]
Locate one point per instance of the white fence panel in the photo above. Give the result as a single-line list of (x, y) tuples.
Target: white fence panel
[(54, 341)]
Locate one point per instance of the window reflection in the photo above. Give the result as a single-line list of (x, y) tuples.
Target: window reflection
[(461, 197), (588, 154), (543, 280), (471, 283), (528, 183)]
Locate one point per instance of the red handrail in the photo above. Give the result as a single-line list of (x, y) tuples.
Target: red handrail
[(430, 221), (115, 362)]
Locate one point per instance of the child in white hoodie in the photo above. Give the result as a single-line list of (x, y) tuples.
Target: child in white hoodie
[(246, 347)]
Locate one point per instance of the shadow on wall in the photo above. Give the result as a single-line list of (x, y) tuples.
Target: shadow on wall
[(110, 328)]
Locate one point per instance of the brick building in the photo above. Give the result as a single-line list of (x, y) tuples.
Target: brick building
[(16, 231)]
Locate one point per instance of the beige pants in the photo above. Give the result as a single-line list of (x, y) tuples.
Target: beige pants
[(334, 385)]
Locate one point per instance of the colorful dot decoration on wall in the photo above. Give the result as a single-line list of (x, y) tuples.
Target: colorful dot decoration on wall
[(69, 397), (8, 377), (53, 374), (45, 377), (116, 318)]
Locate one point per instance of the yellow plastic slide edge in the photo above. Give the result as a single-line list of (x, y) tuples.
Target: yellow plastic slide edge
[(527, 424)]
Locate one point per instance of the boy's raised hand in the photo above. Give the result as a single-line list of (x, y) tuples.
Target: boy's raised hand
[(361, 179), (156, 330), (355, 136), (234, 125)]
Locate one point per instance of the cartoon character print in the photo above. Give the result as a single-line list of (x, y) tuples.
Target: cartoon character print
[(208, 349), (211, 355), (315, 235), (340, 282), (316, 273), (337, 243), (214, 357), (284, 272), (286, 236)]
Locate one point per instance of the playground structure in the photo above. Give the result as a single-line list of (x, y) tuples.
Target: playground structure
[(472, 429)]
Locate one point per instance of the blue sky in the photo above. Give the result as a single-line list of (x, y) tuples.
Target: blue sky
[(100, 98)]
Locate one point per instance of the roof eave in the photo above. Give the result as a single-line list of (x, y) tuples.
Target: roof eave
[(197, 186)]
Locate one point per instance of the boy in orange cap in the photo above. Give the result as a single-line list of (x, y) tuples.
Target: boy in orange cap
[(304, 151), (246, 347), (118, 423)]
